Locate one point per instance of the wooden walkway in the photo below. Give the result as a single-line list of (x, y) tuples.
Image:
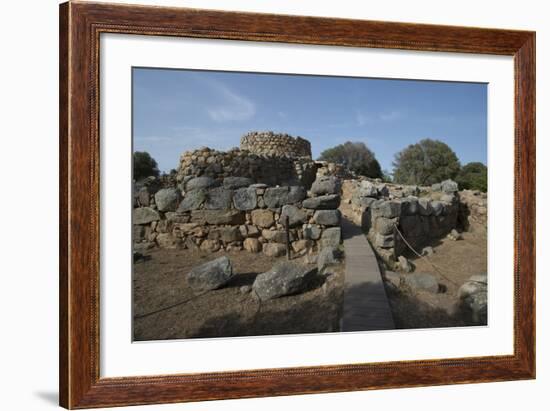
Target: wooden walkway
[(366, 305)]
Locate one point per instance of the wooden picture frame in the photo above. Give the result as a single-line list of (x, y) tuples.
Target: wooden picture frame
[(80, 27)]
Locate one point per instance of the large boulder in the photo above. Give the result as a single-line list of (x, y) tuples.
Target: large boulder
[(233, 183), (167, 199), (285, 278), (296, 216), (327, 217), (218, 198), (326, 202), (473, 298), (200, 182), (144, 215), (245, 198), (326, 185), (192, 200), (211, 275)]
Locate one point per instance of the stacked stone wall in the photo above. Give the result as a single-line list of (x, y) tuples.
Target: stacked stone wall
[(265, 169), (235, 214), (271, 144), (390, 212)]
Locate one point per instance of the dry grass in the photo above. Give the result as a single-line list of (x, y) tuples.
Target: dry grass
[(166, 308)]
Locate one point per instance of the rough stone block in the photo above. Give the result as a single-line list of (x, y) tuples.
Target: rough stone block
[(245, 198), (312, 232), (144, 215), (327, 202), (192, 200), (218, 198), (296, 216), (327, 217), (263, 218), (331, 237), (274, 249), (326, 185)]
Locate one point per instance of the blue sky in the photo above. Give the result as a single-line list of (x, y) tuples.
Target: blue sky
[(179, 110)]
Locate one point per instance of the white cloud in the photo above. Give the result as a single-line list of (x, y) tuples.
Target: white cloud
[(233, 107), (363, 118)]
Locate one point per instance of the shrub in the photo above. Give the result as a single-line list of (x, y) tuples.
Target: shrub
[(355, 157), (425, 163), (473, 176), (144, 165)]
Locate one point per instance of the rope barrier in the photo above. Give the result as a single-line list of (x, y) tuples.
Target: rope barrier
[(436, 268)]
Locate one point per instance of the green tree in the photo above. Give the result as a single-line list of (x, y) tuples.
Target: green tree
[(144, 165), (354, 156), (425, 163), (473, 176)]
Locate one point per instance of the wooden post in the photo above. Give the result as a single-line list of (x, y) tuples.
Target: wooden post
[(287, 229)]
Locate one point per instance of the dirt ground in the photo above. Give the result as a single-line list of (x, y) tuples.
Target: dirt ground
[(456, 261), (166, 308)]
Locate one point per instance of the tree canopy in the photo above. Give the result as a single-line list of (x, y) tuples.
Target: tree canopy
[(473, 176), (425, 163), (144, 165), (356, 157)]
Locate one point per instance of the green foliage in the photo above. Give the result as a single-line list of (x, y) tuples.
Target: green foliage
[(386, 176), (425, 163), (144, 165), (355, 157), (473, 176)]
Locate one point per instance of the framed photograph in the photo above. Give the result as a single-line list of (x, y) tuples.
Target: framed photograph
[(259, 205)]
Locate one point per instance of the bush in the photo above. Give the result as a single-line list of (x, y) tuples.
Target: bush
[(355, 157), (425, 163), (144, 165), (473, 176)]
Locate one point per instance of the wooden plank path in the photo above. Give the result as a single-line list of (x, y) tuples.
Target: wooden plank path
[(366, 305)]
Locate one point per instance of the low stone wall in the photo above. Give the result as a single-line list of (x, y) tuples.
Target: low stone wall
[(236, 214), (421, 214), (472, 213), (272, 144), (266, 169)]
